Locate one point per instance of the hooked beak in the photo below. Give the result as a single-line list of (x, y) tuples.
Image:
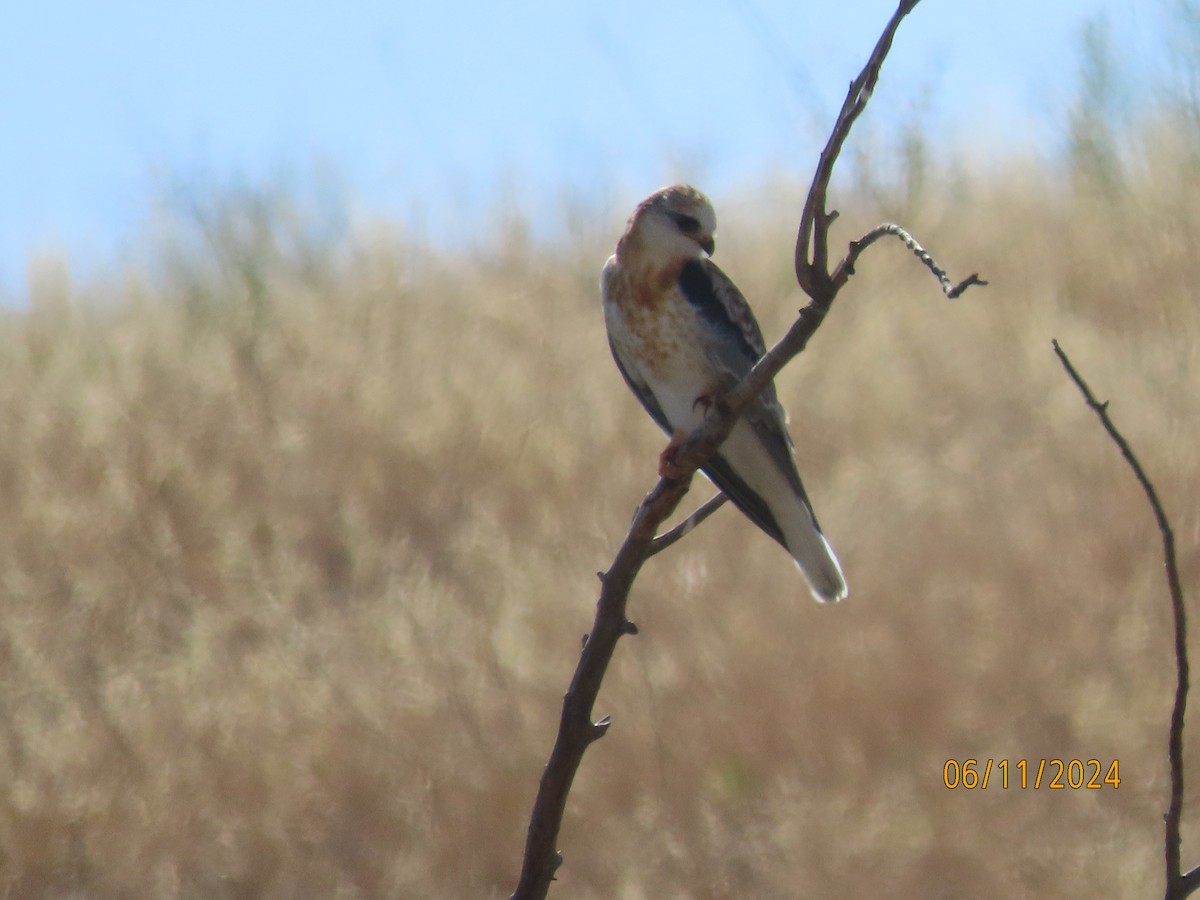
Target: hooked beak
[(708, 244)]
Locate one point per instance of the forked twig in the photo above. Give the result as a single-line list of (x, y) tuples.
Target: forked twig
[(1178, 885), (576, 730), (812, 238)]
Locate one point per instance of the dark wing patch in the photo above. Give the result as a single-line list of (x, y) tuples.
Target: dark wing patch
[(701, 291), (745, 499), (723, 308)]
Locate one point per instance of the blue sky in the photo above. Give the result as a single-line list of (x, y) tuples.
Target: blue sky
[(427, 112)]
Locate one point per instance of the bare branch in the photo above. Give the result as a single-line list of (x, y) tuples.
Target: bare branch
[(812, 239), (812, 273), (684, 528), (846, 267), (576, 731), (1178, 885)]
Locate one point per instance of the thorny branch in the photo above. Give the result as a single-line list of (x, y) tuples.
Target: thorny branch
[(1178, 885), (577, 730)]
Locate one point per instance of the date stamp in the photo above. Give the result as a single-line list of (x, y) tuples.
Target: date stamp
[(1031, 774)]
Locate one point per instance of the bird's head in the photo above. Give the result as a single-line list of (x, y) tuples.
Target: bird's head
[(677, 220)]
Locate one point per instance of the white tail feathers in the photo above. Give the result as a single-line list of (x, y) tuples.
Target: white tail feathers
[(823, 573), (812, 553), (762, 473)]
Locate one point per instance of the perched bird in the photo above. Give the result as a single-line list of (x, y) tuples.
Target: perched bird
[(682, 334)]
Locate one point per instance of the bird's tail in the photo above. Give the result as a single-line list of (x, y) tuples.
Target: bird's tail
[(775, 501), (813, 554)]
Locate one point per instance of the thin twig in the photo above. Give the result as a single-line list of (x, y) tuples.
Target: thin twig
[(1178, 885), (684, 528), (846, 267)]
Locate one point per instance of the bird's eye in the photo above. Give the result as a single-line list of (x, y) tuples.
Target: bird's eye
[(687, 224)]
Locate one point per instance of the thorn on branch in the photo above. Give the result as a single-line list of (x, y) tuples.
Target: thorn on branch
[(628, 627)]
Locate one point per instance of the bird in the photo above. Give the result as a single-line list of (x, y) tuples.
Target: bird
[(682, 334)]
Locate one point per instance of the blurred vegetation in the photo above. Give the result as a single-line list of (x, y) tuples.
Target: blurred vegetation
[(300, 521), (1096, 117)]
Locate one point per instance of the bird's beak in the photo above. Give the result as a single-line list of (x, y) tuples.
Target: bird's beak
[(708, 245)]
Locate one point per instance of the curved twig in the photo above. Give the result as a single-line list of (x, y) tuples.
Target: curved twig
[(812, 272), (1178, 885), (846, 267)]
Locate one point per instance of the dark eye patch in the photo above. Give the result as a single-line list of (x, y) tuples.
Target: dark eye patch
[(687, 224)]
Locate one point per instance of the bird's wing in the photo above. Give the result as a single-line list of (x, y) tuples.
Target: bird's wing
[(736, 345), (744, 497), (736, 341)]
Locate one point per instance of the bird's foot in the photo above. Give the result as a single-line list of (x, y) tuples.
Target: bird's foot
[(714, 399)]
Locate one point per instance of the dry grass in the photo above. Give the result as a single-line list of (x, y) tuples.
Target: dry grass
[(298, 544)]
